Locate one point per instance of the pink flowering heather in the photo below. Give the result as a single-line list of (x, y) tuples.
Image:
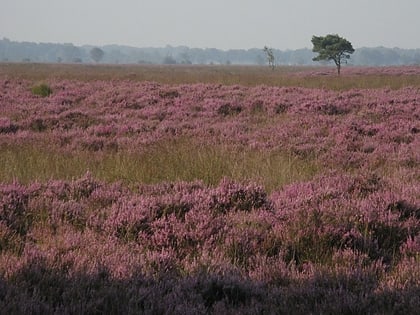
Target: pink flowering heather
[(344, 240), (230, 247)]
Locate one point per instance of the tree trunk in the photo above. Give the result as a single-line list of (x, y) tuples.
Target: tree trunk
[(337, 62)]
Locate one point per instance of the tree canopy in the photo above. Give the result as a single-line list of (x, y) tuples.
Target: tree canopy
[(97, 54), (332, 47)]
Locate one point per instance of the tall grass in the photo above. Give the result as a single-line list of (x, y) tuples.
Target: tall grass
[(165, 161)]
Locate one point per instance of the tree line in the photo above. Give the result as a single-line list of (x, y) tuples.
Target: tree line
[(12, 51)]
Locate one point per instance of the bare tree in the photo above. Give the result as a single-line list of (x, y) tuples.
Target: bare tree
[(270, 56)]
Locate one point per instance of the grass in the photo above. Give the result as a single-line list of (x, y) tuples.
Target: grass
[(180, 74), (165, 161), (42, 90)]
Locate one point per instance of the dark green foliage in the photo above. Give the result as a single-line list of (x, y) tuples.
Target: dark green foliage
[(405, 209), (169, 94), (234, 293), (332, 47), (42, 90), (38, 125), (229, 110)]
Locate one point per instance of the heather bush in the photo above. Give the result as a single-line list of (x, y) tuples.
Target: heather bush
[(344, 212), (139, 197), (6, 126), (231, 196), (228, 109), (14, 212), (369, 128), (230, 248)]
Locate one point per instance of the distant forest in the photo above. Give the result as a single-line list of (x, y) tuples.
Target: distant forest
[(12, 51)]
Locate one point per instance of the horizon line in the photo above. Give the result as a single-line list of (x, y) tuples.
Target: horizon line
[(180, 45)]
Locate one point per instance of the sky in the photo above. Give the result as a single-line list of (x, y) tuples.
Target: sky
[(222, 24)]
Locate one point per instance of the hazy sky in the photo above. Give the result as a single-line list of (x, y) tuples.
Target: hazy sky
[(224, 24)]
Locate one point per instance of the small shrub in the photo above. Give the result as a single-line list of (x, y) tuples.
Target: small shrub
[(229, 110), (257, 107), (169, 94), (42, 90), (331, 109), (6, 126), (38, 125), (229, 290), (281, 108), (73, 119), (230, 196)]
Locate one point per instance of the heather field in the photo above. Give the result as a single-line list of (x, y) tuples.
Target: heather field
[(209, 190)]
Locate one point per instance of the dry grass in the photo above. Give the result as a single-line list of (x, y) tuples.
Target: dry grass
[(165, 161), (179, 74)]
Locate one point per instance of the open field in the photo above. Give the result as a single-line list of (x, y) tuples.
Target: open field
[(209, 190), (310, 77)]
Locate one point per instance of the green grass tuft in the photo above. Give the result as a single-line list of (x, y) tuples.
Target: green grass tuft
[(42, 90)]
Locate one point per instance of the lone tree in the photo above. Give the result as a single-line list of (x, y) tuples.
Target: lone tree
[(270, 56), (332, 47), (97, 54)]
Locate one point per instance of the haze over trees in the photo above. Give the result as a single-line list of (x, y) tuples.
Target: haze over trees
[(332, 47), (13, 51), (97, 54)]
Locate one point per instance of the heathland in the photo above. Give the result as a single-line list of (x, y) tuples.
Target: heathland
[(209, 190)]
